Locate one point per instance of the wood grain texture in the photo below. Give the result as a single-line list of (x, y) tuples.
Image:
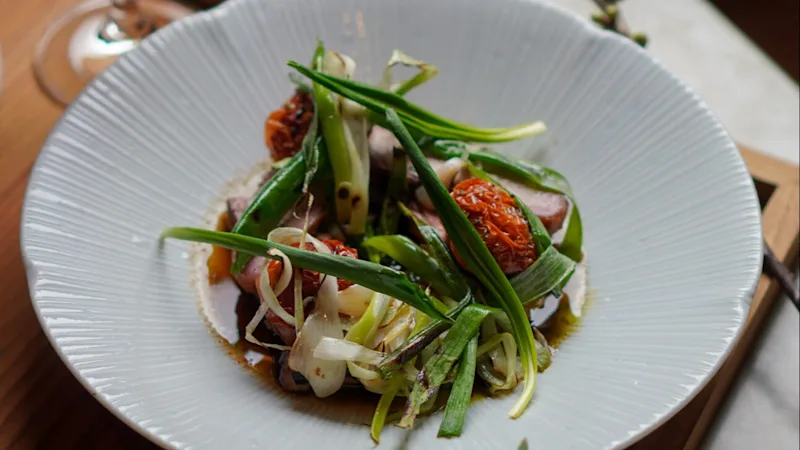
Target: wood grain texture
[(43, 406)]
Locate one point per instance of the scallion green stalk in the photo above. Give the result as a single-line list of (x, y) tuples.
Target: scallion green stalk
[(436, 370), (370, 275), (412, 257), (379, 101), (455, 412), (474, 252), (382, 410)]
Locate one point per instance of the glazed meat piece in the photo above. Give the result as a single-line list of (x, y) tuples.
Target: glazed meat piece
[(236, 208)]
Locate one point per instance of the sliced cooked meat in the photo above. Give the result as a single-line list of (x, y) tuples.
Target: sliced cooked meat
[(549, 207), (267, 176), (381, 148), (238, 205), (295, 218), (283, 330), (247, 279), (236, 208), (429, 217)]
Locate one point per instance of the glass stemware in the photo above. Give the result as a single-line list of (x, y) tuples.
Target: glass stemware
[(87, 39)]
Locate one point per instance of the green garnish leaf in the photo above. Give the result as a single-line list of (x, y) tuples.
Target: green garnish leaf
[(412, 257), (455, 411), (416, 118), (370, 275), (550, 271), (477, 257), (436, 370)]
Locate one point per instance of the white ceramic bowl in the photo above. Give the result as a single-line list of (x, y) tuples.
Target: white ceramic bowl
[(671, 218)]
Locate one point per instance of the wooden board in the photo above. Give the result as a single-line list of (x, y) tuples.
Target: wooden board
[(43, 406), (779, 193)]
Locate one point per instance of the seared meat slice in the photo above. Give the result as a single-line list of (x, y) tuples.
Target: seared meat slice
[(236, 208), (549, 207), (429, 217), (295, 218), (247, 279)]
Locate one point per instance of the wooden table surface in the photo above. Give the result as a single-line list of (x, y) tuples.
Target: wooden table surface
[(41, 404)]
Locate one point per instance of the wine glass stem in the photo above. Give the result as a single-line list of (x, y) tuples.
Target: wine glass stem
[(126, 21)]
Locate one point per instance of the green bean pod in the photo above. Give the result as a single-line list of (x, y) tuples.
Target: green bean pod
[(276, 198)]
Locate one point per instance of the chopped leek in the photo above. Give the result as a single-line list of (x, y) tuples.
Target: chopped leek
[(426, 72), (436, 370), (550, 270)]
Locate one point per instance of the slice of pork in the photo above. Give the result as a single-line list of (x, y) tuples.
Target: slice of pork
[(295, 218), (247, 279), (283, 330), (429, 217), (551, 208), (236, 208)]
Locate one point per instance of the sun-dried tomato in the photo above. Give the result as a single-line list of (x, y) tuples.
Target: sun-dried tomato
[(338, 248), (500, 223), (286, 127)]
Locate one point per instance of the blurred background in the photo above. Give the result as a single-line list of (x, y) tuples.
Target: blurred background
[(772, 25)]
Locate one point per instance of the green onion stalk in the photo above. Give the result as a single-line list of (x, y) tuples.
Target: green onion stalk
[(417, 119), (480, 261), (342, 135), (372, 276)]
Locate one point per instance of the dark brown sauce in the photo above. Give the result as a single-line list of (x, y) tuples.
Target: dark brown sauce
[(560, 325), (355, 405)]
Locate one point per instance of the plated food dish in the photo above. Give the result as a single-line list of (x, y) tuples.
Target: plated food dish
[(172, 130), (406, 273)]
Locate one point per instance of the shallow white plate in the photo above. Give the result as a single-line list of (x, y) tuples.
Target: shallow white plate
[(671, 218)]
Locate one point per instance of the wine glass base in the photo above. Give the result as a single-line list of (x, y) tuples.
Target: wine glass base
[(72, 51)]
